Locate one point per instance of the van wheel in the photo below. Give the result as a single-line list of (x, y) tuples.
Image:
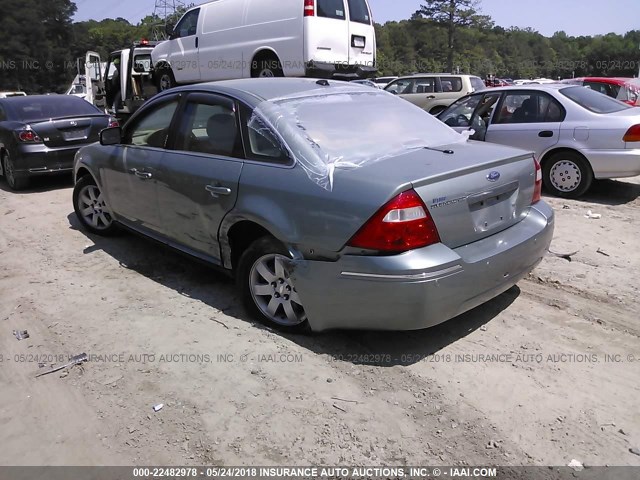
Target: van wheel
[(567, 175), (166, 80), (267, 67)]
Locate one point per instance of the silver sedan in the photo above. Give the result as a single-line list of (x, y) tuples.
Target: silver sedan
[(576, 134), (327, 214)]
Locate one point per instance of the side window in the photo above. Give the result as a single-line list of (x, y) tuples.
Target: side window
[(188, 25), (550, 109), (424, 85), (331, 9), (459, 114), (451, 84), (517, 107), (210, 127), (262, 143), (152, 130), (400, 86), (477, 84)]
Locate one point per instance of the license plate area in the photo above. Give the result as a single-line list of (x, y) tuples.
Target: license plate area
[(75, 134), (495, 208)]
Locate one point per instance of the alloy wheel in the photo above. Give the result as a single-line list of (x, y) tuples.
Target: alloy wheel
[(93, 208)]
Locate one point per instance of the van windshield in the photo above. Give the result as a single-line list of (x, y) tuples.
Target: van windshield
[(331, 9), (359, 12)]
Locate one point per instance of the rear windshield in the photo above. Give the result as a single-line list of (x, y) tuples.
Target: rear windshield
[(331, 9), (335, 131), (359, 12), (36, 107), (593, 101)]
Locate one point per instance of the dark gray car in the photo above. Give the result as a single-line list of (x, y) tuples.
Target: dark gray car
[(329, 214), (40, 134)]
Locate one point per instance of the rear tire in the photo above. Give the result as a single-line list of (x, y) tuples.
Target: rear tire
[(91, 209), (567, 175), (266, 288), (8, 169), (267, 67)]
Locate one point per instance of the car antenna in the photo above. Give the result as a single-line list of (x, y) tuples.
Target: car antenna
[(448, 152), (324, 83)]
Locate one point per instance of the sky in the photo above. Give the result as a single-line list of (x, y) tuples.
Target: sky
[(575, 17)]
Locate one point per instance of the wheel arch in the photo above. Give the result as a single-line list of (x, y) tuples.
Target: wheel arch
[(264, 53), (554, 150), (236, 237)]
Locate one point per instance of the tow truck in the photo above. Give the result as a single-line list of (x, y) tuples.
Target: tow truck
[(122, 84)]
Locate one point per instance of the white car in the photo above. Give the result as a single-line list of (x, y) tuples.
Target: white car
[(231, 39), (12, 94), (576, 133)]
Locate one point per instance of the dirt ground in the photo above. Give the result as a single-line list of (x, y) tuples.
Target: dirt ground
[(546, 373)]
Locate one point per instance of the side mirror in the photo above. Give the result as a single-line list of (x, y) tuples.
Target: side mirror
[(111, 136), (168, 29)]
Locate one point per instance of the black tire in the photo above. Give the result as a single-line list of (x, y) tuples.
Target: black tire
[(166, 80), (567, 174), (267, 67), (15, 183), (258, 253), (80, 203)]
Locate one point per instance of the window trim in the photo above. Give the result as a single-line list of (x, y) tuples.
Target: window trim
[(530, 93), (246, 112), (176, 30), (361, 22)]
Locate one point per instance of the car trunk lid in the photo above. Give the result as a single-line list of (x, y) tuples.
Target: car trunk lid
[(70, 131)]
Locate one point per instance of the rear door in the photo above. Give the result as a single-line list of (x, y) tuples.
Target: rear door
[(423, 92), (199, 178), (184, 57), (362, 37), (527, 119), (326, 35)]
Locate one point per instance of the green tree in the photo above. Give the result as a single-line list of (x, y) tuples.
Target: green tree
[(453, 15)]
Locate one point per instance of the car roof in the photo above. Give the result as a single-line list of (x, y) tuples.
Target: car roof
[(272, 88), (613, 80)]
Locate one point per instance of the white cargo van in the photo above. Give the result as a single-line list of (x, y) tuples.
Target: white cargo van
[(227, 39)]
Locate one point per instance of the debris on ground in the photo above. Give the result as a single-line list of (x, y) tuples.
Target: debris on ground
[(602, 252), (576, 465), (158, 407), (21, 334), (76, 360), (593, 216), (566, 256), (635, 451)]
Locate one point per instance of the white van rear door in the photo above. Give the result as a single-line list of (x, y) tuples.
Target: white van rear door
[(362, 38), (327, 33)]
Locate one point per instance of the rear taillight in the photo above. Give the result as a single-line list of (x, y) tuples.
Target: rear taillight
[(28, 136), (633, 134), (402, 224), (113, 122), (309, 8), (537, 190)]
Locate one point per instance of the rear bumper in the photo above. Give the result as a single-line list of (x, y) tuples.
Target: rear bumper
[(41, 160), (339, 71), (614, 163), (424, 287)]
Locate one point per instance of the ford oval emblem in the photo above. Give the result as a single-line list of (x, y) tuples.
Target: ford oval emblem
[(493, 176)]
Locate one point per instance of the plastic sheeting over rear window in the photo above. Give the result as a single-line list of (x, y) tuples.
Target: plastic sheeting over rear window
[(346, 129)]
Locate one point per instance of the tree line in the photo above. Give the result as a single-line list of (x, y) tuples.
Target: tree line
[(40, 43)]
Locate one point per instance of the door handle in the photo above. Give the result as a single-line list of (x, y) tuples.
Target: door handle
[(215, 191), (139, 174), (431, 97), (546, 134), (196, 42)]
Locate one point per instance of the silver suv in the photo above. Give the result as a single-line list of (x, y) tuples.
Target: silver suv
[(435, 91)]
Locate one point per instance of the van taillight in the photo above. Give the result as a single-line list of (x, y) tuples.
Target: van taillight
[(633, 134), (537, 190), (309, 8)]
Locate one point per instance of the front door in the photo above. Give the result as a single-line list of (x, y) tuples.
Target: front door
[(529, 120), (132, 178), (198, 180), (184, 58)]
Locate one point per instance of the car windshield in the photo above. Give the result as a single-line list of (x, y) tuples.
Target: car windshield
[(32, 108), (593, 101), (346, 130)]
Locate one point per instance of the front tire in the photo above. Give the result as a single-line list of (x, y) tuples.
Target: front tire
[(268, 292), (567, 175), (8, 169), (91, 208)]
